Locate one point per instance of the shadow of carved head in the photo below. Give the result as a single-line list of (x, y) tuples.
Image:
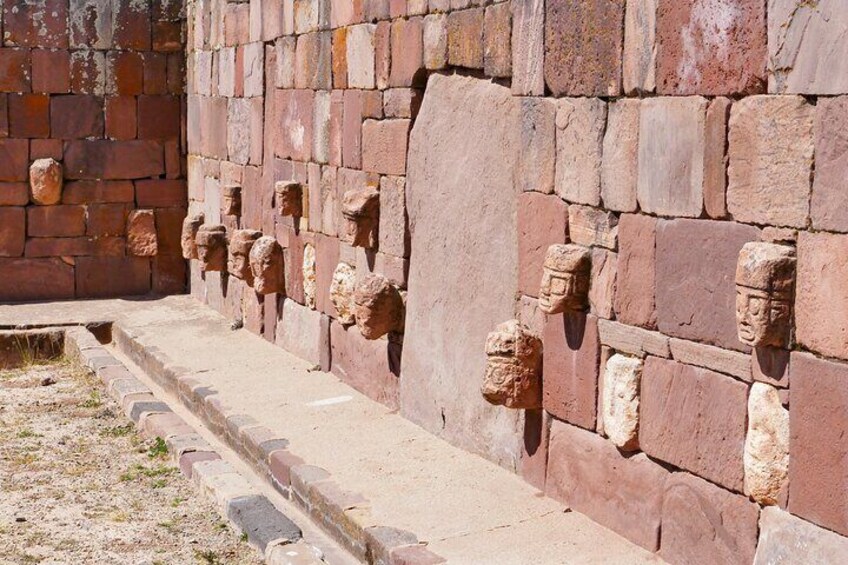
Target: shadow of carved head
[(266, 266), (378, 307), (188, 237), (212, 247), (238, 263), (566, 274), (361, 211), (765, 277), (513, 367)]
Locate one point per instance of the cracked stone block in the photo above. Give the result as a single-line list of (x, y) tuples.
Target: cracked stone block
[(766, 455)]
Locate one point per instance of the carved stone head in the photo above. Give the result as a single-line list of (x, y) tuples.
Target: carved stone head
[(765, 277), (378, 307), (266, 265), (188, 238), (513, 367), (289, 195), (212, 247), (565, 279), (361, 210), (231, 200), (238, 263)]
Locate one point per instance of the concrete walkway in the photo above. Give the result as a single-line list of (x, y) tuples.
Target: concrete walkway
[(467, 509)]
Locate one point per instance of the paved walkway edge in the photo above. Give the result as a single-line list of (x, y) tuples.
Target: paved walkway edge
[(341, 513), (249, 512)]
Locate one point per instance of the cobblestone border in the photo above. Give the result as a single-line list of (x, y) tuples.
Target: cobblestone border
[(249, 512)]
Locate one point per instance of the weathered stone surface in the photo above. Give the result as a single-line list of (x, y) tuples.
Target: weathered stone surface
[(302, 332), (708, 47), (634, 297), (309, 287), (695, 419), (802, 57), (640, 51), (36, 279), (619, 167), (572, 351), (13, 231), (593, 227), (407, 57), (818, 442), (360, 56), (141, 233), (341, 293), (702, 523), (633, 340), (622, 493), (580, 124), (435, 41), (766, 455), (513, 368), (497, 37), (528, 47), (715, 158), (566, 278), (583, 43), (821, 300), (369, 366), (671, 156), (696, 294), (771, 159), (785, 539), (829, 204), (537, 152), (604, 281), (45, 181), (465, 38), (722, 360), (542, 222), (378, 307), (765, 277), (384, 146), (620, 401), (447, 184)]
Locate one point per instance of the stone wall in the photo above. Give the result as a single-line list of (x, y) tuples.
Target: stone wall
[(92, 189), (694, 152)]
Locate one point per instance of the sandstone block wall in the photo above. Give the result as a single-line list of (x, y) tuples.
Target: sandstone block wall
[(97, 86), (662, 135)]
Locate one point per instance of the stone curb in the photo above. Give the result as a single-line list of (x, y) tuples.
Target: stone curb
[(343, 514), (267, 529)]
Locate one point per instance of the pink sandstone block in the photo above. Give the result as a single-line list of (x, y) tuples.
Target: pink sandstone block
[(542, 221)]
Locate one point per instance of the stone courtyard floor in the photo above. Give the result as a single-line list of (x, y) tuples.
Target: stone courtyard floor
[(80, 486)]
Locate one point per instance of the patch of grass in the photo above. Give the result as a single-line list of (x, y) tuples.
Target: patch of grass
[(27, 433), (159, 449), (117, 431), (177, 501), (94, 400), (243, 537), (170, 525), (159, 483), (138, 470), (208, 557)]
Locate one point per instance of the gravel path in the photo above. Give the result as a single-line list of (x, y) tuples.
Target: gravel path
[(80, 486)]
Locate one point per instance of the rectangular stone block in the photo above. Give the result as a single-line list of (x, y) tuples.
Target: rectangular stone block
[(571, 359), (107, 160), (580, 124), (695, 419), (12, 231), (771, 160), (360, 56), (785, 539), (730, 363), (818, 442), (56, 221), (537, 153), (801, 37), (691, 507), (15, 70), (528, 47), (633, 340), (497, 35), (465, 38), (100, 277), (715, 158), (371, 367), (829, 205), (583, 47), (695, 290), (14, 159), (384, 145), (302, 332), (592, 227), (634, 299), (542, 221), (821, 303), (36, 279), (708, 48), (640, 50), (588, 473), (671, 156), (604, 280), (407, 52), (619, 166)]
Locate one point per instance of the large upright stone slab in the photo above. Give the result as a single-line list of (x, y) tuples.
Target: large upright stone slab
[(463, 153), (806, 46), (785, 540)]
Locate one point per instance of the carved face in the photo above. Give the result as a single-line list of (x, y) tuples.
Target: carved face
[(231, 201), (513, 367), (764, 281), (266, 265), (565, 279), (238, 263), (289, 195), (361, 210), (378, 307), (188, 237), (212, 247)]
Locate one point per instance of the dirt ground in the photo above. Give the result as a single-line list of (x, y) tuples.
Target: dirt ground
[(77, 485)]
